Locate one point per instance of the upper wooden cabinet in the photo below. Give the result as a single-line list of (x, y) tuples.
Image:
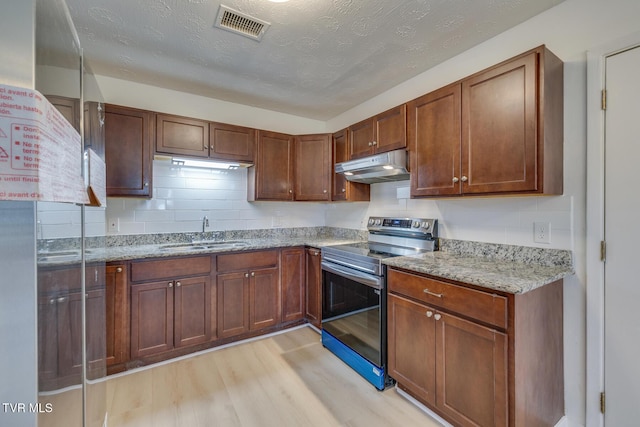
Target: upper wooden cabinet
[(312, 166), (200, 138), (506, 123), (68, 107), (182, 135), (341, 188), (229, 142), (272, 176), (129, 133), (383, 132)]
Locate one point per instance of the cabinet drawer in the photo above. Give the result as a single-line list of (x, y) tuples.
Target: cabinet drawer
[(245, 261), (168, 268), (483, 306)]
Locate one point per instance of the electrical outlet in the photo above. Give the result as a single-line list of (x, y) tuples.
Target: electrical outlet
[(114, 225), (541, 232)]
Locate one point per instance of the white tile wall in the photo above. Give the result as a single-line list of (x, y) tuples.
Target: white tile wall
[(182, 197)]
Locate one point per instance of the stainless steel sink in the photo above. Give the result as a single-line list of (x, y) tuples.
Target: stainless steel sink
[(204, 245), (60, 256)]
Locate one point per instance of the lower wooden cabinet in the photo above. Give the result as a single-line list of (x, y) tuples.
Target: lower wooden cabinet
[(117, 314), (314, 287), (475, 357), (171, 312), (292, 277), (248, 292)]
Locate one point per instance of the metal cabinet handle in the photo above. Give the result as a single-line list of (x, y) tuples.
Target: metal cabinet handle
[(324, 191), (455, 179), (370, 144), (437, 316), (464, 179), (170, 284), (344, 190), (429, 313), (119, 270), (178, 284), (374, 143), (253, 274), (428, 292), (246, 274), (61, 300), (146, 184), (206, 147), (290, 191), (316, 253)]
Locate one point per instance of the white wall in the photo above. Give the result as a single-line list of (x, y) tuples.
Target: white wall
[(569, 30)]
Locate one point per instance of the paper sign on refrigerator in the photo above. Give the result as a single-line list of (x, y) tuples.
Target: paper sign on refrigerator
[(40, 151)]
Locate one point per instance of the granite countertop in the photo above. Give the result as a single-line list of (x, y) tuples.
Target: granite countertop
[(514, 269)]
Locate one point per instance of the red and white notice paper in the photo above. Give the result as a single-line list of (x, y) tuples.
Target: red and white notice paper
[(40, 151)]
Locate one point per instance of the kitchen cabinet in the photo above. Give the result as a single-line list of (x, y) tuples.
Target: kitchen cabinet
[(170, 304), (499, 131), (467, 353), (384, 132), (181, 135), (117, 316), (129, 134), (342, 189), (199, 138), (292, 273), (94, 127), (312, 166), (314, 287), (272, 176), (68, 107), (248, 292), (232, 143), (60, 326)]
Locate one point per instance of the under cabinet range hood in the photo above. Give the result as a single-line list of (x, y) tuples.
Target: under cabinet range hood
[(384, 167)]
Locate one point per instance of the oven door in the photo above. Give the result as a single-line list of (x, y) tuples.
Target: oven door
[(353, 310)]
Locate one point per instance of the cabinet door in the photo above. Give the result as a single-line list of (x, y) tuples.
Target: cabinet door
[(411, 347), (264, 298), (47, 342), (151, 318), (94, 127), (499, 128), (292, 279), (272, 174), (117, 314), (390, 129), (68, 107), (314, 287), (228, 142), (192, 311), (233, 304), (471, 372), (342, 189), (182, 135), (69, 339), (434, 142), (312, 167), (361, 136), (128, 136)]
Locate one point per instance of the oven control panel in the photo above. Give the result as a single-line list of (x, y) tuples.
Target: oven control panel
[(410, 226)]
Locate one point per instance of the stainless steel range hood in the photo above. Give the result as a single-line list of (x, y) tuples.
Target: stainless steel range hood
[(390, 166)]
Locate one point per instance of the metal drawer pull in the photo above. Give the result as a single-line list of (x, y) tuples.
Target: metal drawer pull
[(119, 270), (178, 284), (170, 284), (437, 316), (428, 292), (429, 313)]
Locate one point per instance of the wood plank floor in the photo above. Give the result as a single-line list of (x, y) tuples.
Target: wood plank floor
[(283, 380)]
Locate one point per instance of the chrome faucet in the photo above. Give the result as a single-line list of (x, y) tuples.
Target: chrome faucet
[(205, 223)]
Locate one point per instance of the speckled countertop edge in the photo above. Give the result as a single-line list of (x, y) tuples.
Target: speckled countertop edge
[(512, 269)]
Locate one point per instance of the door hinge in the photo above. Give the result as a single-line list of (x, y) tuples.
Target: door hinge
[(603, 102), (602, 402), (603, 251)]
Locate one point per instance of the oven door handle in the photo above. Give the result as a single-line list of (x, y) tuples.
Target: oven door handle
[(355, 275)]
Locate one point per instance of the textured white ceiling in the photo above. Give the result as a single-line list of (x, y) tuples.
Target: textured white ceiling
[(318, 59)]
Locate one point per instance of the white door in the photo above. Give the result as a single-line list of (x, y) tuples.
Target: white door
[(622, 234)]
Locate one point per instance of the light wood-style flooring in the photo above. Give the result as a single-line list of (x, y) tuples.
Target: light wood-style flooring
[(287, 379)]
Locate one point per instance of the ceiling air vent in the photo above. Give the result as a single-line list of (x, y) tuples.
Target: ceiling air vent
[(239, 23)]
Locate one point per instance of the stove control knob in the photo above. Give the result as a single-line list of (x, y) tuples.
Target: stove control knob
[(378, 221), (425, 224), (416, 224), (371, 221)]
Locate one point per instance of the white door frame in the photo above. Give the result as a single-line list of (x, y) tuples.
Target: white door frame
[(595, 222)]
